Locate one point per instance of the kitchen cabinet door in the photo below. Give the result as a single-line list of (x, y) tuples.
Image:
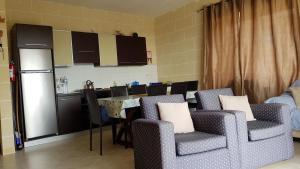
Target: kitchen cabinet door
[(69, 114), (124, 50), (33, 36), (85, 47), (62, 47), (131, 50), (108, 50), (140, 51)]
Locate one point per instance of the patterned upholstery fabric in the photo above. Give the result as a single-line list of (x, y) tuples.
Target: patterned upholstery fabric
[(209, 99), (258, 130), (275, 112), (255, 154), (217, 159), (197, 142), (155, 146)]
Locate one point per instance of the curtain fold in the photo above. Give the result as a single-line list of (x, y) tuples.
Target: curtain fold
[(220, 44), (260, 56)]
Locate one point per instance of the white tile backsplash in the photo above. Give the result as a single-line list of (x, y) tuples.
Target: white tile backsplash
[(104, 77)]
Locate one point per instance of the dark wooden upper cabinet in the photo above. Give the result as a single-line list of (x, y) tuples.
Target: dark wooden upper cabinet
[(33, 36), (85, 47), (131, 50), (140, 51)]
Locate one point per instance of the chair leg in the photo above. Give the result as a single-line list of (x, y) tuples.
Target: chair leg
[(91, 137), (126, 132), (114, 130), (100, 128)]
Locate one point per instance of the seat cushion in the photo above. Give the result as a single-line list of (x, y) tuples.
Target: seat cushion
[(258, 130), (196, 142)]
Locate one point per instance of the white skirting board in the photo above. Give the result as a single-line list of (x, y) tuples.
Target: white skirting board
[(61, 137), (53, 139)]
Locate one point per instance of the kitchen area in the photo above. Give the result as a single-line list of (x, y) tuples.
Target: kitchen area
[(52, 67)]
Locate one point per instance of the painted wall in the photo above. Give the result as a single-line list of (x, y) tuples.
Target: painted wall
[(68, 17), (77, 18), (103, 77), (6, 122), (179, 42)]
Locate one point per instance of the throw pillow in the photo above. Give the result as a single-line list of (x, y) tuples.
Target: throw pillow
[(178, 114), (239, 103)]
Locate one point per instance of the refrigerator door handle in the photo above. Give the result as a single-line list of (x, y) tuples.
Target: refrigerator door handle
[(36, 44), (36, 71)]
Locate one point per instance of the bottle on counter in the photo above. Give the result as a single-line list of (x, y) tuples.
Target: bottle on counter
[(65, 82)]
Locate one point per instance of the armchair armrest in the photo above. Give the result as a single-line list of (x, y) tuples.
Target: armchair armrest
[(274, 112), (215, 122), (239, 122), (154, 144), (221, 123)]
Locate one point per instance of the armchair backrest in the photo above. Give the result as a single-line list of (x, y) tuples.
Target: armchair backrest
[(209, 99), (149, 104)]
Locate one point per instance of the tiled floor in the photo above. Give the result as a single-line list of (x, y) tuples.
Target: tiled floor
[(74, 154)]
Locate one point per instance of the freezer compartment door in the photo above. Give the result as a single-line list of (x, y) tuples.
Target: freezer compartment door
[(35, 59), (39, 104)]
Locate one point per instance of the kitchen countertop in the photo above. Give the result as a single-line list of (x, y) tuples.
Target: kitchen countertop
[(68, 94)]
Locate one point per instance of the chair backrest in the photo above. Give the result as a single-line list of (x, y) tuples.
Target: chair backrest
[(138, 89), (157, 90), (179, 88), (149, 104), (155, 84), (192, 85), (93, 106), (209, 99), (118, 91)]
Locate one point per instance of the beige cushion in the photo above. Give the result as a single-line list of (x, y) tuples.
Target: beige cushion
[(178, 114), (239, 103), (296, 95)]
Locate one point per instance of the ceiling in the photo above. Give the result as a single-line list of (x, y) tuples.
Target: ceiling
[(151, 8)]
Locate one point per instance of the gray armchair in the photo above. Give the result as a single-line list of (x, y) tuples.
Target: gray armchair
[(263, 141), (212, 145)]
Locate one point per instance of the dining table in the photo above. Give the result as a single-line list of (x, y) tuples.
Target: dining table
[(116, 106)]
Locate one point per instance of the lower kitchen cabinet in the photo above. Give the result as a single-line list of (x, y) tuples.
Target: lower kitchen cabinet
[(70, 116)]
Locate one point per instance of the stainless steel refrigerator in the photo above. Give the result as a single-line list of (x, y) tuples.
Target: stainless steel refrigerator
[(38, 92)]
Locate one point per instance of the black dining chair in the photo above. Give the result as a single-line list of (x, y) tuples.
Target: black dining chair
[(95, 114), (138, 89), (192, 85), (179, 88), (155, 84), (118, 91), (157, 90)]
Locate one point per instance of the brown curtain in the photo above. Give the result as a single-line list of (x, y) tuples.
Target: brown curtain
[(220, 45), (268, 49)]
